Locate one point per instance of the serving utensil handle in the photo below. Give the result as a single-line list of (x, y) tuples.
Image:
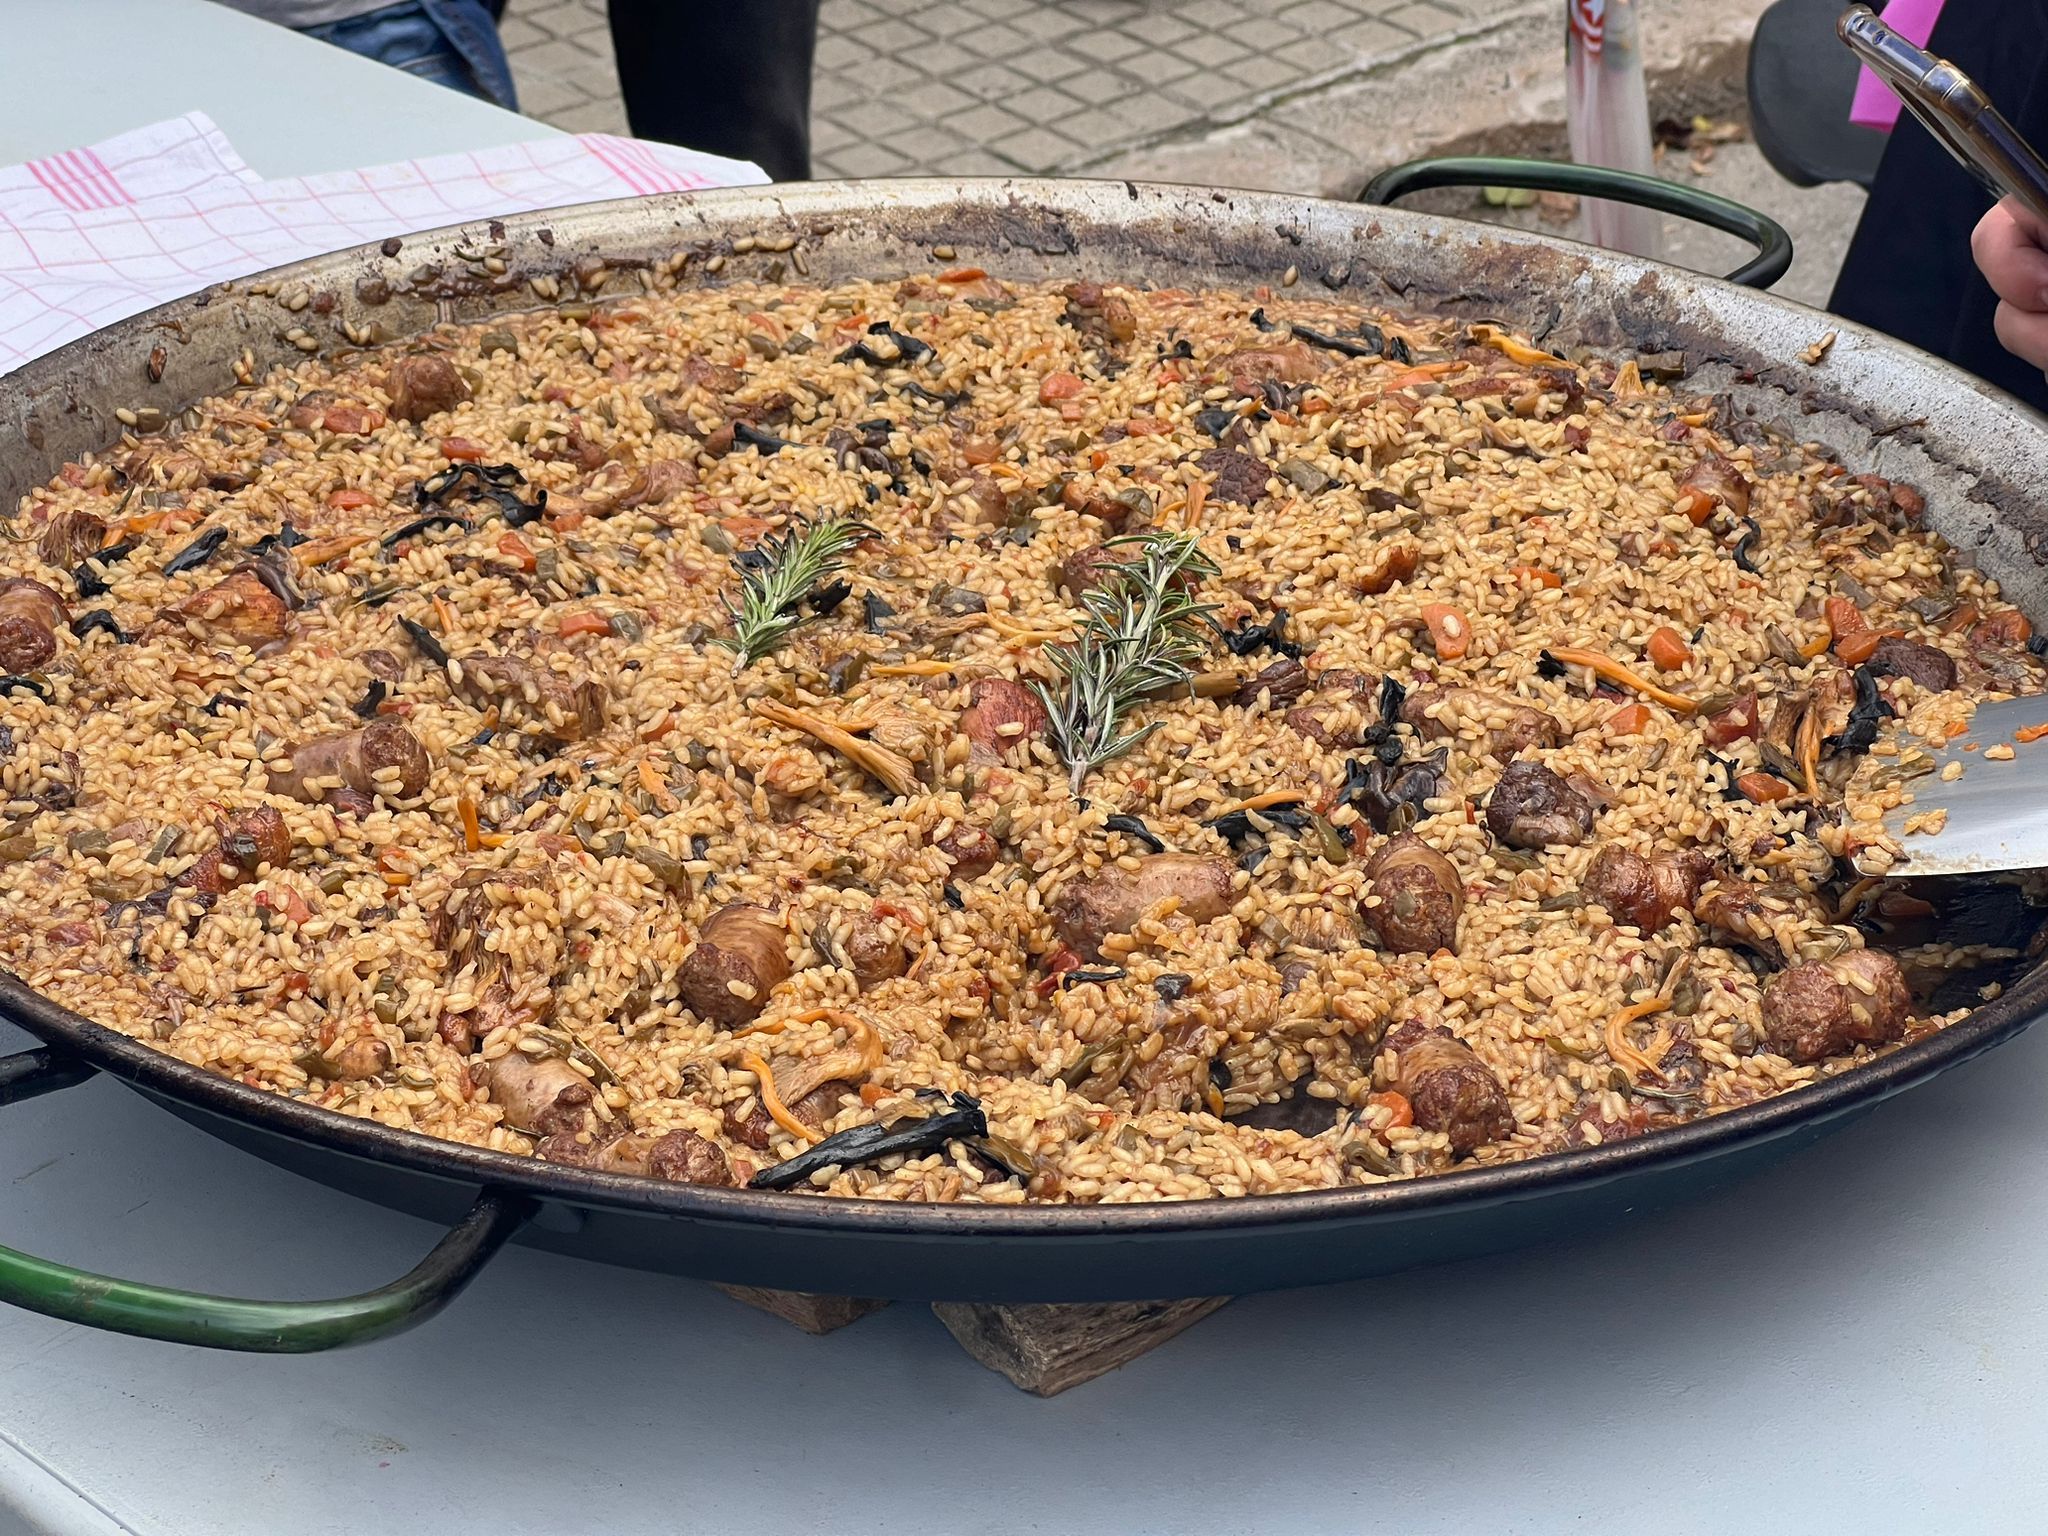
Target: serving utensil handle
[(1773, 245), (231, 1322)]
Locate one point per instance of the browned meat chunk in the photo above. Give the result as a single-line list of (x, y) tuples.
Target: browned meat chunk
[(971, 851), (250, 841), (1932, 669), (1093, 312), (70, 537), (1827, 1007), (1281, 683), (539, 1098), (680, 1157), (240, 608), (381, 758), (739, 959), (1739, 912), (464, 929), (1644, 893), (1295, 362), (1447, 1086), (1711, 483), (1086, 570), (875, 953), (1000, 715), (1532, 807), (1340, 709), (1593, 1124), (357, 1062), (1240, 478), (568, 711), (1511, 728), (30, 616), (1113, 900), (1414, 898), (424, 385)]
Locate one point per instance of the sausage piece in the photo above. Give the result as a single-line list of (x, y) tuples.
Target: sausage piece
[(1419, 897), (30, 615), (1827, 1007), (240, 607), (1644, 893), (569, 711), (1932, 669), (1532, 807), (1113, 900), (539, 1098), (424, 385), (1447, 1086), (740, 946), (1511, 727), (874, 953), (356, 758), (1000, 715), (971, 851)]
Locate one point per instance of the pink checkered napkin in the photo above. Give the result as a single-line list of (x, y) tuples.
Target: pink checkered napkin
[(91, 236)]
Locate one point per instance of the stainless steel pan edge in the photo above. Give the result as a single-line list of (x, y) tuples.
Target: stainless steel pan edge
[(1981, 458)]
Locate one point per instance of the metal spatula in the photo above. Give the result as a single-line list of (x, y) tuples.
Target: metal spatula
[(1997, 810)]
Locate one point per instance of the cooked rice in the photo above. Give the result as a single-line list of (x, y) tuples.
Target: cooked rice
[(1489, 487)]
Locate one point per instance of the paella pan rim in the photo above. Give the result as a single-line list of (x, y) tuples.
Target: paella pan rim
[(63, 402)]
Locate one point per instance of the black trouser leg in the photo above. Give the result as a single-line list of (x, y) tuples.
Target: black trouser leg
[(732, 79)]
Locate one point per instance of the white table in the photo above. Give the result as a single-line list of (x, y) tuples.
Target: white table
[(1855, 1342)]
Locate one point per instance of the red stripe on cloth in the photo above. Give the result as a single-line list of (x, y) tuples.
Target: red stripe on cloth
[(606, 150), (105, 177), (82, 178), (57, 184)]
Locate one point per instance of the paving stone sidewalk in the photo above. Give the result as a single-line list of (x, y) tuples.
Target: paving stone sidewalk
[(972, 87)]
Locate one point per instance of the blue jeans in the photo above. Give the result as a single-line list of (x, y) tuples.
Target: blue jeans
[(450, 42)]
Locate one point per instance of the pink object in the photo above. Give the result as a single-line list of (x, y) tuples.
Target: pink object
[(90, 236), (1875, 106)]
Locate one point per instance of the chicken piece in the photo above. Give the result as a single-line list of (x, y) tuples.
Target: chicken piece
[(1281, 683), (1713, 482), (424, 385), (539, 1098), (679, 1157), (1240, 478), (1644, 893), (463, 929), (1414, 897), (1340, 709), (357, 1062), (30, 616), (568, 711), (381, 758), (1447, 1086), (240, 608), (739, 959), (1511, 728), (1113, 899), (1753, 916), (1829, 1007), (1531, 807), (1089, 570), (1000, 715)]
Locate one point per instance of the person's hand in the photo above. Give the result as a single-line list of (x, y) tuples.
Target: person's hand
[(2011, 247)]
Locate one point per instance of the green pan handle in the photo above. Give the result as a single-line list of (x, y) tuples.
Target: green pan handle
[(1773, 245), (227, 1322)]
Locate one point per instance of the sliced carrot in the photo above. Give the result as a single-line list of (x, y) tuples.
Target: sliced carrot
[(472, 830), (1449, 630), (461, 450), (348, 500), (1667, 649), (444, 615), (567, 520), (1404, 1112), (1844, 617), (1857, 648), (650, 780), (1763, 788), (1960, 620), (1055, 387), (522, 552), (2029, 733), (1536, 574), (1819, 647), (1629, 720), (2007, 628), (584, 624), (872, 1094), (744, 529), (1422, 373), (962, 275)]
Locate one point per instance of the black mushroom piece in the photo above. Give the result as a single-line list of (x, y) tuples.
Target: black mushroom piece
[(1711, 483), (30, 616), (1511, 728), (1932, 669), (1447, 1086), (1645, 893), (241, 607), (1113, 899), (740, 958), (1414, 898), (424, 385), (250, 841), (1532, 807), (381, 758), (1000, 715), (677, 1157), (544, 1097), (1827, 1007), (569, 711)]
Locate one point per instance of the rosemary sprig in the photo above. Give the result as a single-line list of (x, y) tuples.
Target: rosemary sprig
[(1145, 630), (776, 577)]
